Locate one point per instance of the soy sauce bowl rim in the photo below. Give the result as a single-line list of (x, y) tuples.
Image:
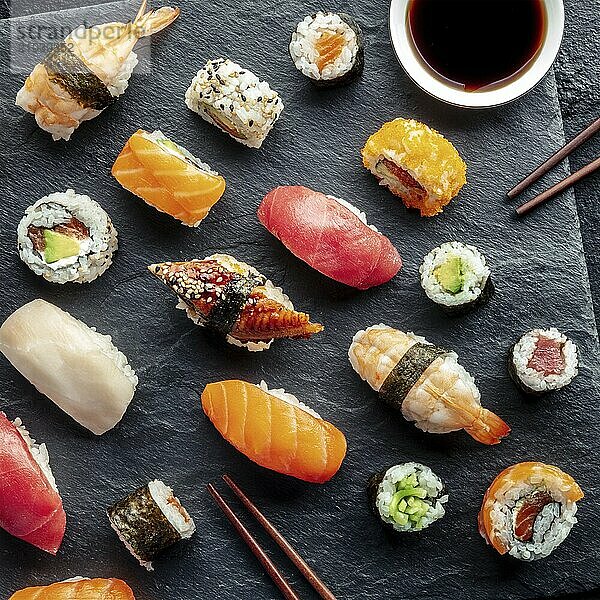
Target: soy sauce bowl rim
[(413, 65)]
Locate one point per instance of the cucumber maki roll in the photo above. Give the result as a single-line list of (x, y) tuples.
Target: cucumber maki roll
[(149, 520), (66, 237), (407, 497), (456, 277), (328, 48), (543, 360)]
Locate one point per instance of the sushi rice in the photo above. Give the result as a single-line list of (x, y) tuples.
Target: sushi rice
[(304, 52), (95, 250), (39, 452), (289, 398), (235, 100), (354, 210), (425, 485)]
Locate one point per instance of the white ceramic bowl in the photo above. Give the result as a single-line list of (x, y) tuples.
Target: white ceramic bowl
[(421, 75)]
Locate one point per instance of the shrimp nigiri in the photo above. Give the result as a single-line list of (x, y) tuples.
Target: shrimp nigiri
[(90, 589), (87, 72), (275, 430), (529, 510), (30, 506), (425, 382)]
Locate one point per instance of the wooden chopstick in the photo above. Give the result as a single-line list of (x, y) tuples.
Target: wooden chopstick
[(585, 135), (559, 187), (268, 565), (312, 578)]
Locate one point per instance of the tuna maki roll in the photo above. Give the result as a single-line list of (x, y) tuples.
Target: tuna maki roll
[(66, 237), (543, 360), (407, 497), (149, 520), (456, 277), (328, 48), (235, 100)]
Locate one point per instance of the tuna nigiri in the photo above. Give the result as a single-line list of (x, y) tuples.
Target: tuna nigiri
[(168, 177), (235, 300), (78, 589), (30, 506), (330, 235), (275, 430)]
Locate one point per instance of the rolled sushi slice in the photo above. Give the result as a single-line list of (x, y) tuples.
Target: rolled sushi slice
[(168, 177), (328, 48), (79, 369), (67, 237), (235, 300), (529, 510), (416, 163), (150, 520), (275, 430), (87, 72), (423, 381), (31, 508), (235, 100), (543, 360), (330, 235), (78, 588), (456, 276), (407, 497)]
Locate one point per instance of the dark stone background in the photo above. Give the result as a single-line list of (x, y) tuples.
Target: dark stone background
[(577, 74)]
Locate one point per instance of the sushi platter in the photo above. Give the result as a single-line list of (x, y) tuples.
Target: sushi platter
[(398, 370)]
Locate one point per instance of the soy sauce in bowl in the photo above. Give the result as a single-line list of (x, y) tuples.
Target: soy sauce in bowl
[(477, 45)]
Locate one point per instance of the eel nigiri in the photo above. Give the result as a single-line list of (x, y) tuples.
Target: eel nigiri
[(423, 381), (88, 71), (529, 510), (331, 235), (78, 589), (79, 369), (235, 300), (168, 177), (30, 506), (275, 430)]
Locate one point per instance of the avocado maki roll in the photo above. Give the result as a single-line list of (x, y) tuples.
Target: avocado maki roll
[(408, 497), (456, 277), (149, 520), (66, 237), (543, 360)]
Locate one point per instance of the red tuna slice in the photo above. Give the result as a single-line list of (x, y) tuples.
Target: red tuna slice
[(547, 357), (329, 237), (30, 508)]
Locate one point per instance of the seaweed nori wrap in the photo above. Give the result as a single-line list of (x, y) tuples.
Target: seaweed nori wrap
[(68, 71), (407, 372)]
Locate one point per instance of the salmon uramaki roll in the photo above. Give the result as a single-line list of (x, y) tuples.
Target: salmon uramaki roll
[(168, 177), (275, 430), (529, 510), (416, 163), (425, 382)]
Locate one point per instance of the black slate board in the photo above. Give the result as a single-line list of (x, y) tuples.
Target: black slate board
[(540, 277)]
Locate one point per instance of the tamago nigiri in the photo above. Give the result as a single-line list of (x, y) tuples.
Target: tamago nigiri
[(87, 72), (275, 430), (425, 382), (79, 588)]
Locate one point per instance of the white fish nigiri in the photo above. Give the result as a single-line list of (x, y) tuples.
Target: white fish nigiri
[(80, 370)]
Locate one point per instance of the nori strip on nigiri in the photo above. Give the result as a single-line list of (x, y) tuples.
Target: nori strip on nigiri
[(68, 71), (406, 373)]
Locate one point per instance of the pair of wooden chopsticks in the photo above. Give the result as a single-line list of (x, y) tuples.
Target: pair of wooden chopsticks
[(584, 136), (273, 572)]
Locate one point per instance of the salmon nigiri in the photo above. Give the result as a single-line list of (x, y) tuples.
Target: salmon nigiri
[(168, 177), (275, 430), (529, 509), (78, 589), (30, 506)]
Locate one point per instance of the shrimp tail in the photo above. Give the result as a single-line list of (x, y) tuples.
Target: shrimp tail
[(153, 21), (488, 428)]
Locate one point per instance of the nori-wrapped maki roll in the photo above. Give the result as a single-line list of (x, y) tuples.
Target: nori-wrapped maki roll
[(456, 277), (328, 48), (149, 520), (407, 497)]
